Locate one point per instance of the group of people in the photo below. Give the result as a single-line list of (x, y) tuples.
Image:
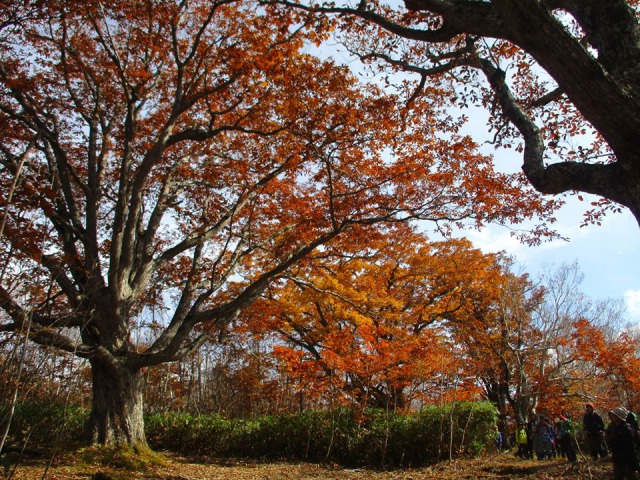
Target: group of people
[(620, 439), (545, 439)]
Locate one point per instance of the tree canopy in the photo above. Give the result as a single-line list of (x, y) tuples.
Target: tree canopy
[(561, 76), (371, 323)]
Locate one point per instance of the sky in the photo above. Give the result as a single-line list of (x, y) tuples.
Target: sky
[(607, 255)]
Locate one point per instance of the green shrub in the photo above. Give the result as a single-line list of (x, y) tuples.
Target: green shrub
[(42, 425), (373, 438), (183, 432)]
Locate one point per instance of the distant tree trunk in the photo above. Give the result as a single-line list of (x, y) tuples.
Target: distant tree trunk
[(117, 411)]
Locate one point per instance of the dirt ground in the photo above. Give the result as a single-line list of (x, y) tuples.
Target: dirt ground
[(498, 466)]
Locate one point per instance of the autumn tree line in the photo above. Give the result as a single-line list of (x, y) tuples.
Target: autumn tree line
[(409, 325), (200, 212)]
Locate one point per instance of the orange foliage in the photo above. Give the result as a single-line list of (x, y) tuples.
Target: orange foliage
[(183, 157), (140, 134), (370, 324), (617, 361)]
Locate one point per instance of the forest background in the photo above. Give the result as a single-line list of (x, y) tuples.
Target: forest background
[(203, 230)]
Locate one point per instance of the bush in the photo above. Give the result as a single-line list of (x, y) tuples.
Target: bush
[(347, 437), (372, 438), (42, 425), (186, 433)]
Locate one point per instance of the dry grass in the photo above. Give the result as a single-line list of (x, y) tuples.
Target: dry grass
[(503, 466)]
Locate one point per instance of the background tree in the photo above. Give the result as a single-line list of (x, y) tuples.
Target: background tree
[(613, 361), (554, 72), (183, 156), (371, 323), (522, 342), (563, 381)]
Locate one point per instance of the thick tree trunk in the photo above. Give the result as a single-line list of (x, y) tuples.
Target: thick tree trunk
[(117, 410)]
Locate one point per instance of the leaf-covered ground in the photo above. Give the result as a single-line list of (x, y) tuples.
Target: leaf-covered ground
[(504, 466)]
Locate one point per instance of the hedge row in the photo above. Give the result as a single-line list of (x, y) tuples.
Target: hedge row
[(345, 437)]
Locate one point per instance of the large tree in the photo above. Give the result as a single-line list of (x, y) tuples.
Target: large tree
[(367, 327), (180, 156), (564, 74)]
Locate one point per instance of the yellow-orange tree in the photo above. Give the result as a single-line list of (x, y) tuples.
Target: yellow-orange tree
[(184, 155), (368, 327), (615, 362)]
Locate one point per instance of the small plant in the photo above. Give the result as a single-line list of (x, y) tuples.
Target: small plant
[(55, 424)]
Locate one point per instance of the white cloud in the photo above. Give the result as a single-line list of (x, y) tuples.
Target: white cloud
[(494, 240), (632, 301)]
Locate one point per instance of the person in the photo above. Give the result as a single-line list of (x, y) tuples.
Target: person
[(593, 427), (504, 431), (521, 442), (632, 420), (557, 428), (530, 427), (565, 438), (620, 439), (498, 440), (544, 439)]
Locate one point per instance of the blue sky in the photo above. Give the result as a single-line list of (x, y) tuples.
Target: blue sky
[(608, 255)]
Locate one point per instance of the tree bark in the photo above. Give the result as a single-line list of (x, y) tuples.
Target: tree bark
[(117, 411)]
